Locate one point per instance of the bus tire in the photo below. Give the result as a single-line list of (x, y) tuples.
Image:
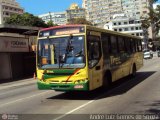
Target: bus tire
[(134, 69), (107, 80)]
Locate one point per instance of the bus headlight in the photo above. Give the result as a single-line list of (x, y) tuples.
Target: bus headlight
[(80, 81)]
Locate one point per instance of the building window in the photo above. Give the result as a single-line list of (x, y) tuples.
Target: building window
[(125, 29), (132, 28), (125, 23), (120, 29), (137, 12), (137, 34), (141, 34), (7, 13), (144, 11), (119, 23), (136, 28), (114, 24), (115, 29), (131, 21)]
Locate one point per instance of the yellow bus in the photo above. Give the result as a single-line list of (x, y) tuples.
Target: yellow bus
[(83, 58)]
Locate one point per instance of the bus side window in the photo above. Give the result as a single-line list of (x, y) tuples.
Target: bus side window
[(105, 43), (121, 44), (139, 45), (136, 44), (132, 45), (94, 50), (114, 45), (127, 45), (109, 45)]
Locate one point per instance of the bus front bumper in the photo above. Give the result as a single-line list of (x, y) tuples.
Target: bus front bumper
[(63, 87)]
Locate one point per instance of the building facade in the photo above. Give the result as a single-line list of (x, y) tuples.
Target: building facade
[(101, 11), (7, 8), (17, 56), (121, 23), (136, 8), (75, 11), (58, 18)]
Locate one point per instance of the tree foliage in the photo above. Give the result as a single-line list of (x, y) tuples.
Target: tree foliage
[(26, 19), (79, 21), (152, 20), (50, 23)]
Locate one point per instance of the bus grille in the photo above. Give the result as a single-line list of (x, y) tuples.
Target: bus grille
[(57, 81)]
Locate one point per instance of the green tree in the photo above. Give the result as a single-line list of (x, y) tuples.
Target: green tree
[(50, 23), (79, 21), (26, 19), (152, 20)]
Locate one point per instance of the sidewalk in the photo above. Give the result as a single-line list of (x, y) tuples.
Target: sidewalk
[(17, 83)]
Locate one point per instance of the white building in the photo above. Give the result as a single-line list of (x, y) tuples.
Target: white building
[(100, 12), (121, 23), (7, 8), (58, 18)]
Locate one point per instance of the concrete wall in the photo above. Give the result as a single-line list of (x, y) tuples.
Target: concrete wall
[(5, 66)]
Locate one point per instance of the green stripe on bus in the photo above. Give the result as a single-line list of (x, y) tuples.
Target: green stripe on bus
[(64, 71), (62, 87)]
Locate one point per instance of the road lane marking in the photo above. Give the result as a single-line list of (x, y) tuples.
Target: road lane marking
[(23, 99), (62, 116)]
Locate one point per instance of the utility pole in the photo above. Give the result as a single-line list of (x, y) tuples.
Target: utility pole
[(50, 16)]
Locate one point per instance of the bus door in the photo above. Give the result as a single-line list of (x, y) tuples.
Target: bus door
[(94, 61)]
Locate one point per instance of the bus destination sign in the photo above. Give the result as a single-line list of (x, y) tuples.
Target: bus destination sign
[(61, 31)]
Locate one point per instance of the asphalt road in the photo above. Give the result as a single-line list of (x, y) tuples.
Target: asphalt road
[(126, 99)]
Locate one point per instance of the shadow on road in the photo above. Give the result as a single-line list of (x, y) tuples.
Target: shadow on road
[(154, 108), (119, 87)]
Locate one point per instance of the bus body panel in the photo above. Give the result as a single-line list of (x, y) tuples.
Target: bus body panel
[(64, 79)]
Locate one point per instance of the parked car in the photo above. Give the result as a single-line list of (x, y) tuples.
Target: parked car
[(147, 54)]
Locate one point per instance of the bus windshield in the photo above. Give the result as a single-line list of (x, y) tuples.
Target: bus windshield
[(62, 52)]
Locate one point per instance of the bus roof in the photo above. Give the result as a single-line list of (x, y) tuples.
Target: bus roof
[(92, 28), (61, 26), (112, 32)]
